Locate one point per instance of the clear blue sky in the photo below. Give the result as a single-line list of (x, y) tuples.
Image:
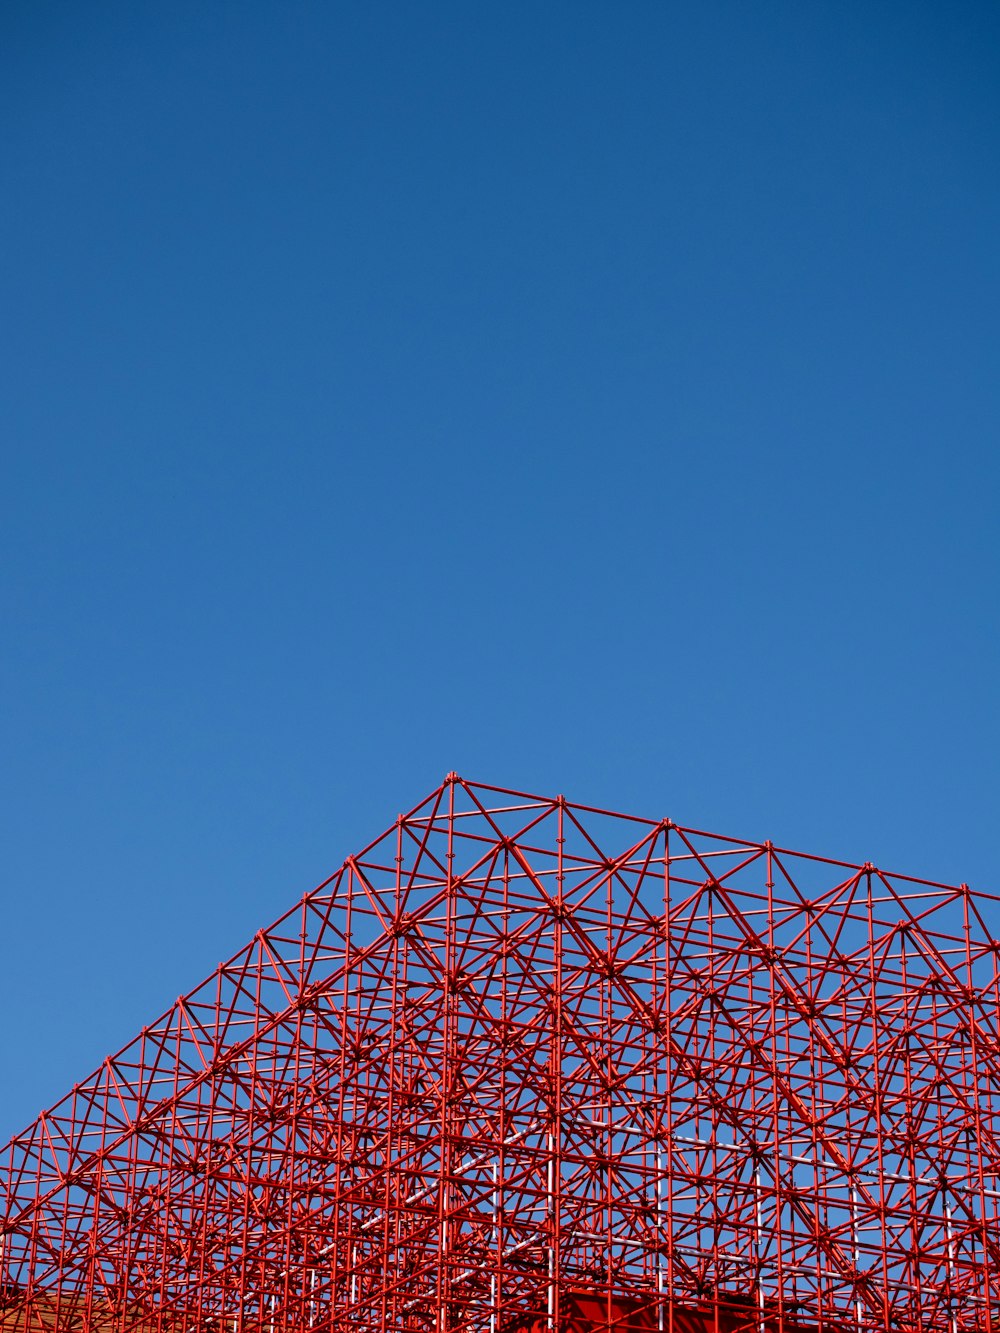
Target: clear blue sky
[(597, 398)]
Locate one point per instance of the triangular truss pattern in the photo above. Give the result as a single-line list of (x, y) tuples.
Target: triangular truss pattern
[(521, 1059)]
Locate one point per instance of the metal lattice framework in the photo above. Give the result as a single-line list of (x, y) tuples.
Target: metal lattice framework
[(525, 1063)]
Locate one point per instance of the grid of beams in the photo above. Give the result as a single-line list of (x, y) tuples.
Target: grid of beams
[(520, 1055)]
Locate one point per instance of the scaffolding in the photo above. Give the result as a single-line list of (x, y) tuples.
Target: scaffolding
[(524, 1066)]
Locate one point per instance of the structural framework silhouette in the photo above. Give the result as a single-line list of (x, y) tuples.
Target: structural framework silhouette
[(525, 1064)]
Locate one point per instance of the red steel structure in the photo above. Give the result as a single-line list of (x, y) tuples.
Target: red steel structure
[(526, 1065)]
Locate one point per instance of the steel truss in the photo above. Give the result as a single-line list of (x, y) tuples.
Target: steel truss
[(521, 1063)]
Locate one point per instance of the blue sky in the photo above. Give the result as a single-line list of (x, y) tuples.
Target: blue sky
[(590, 398)]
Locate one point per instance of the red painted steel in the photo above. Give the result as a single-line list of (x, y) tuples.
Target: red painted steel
[(521, 1064)]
